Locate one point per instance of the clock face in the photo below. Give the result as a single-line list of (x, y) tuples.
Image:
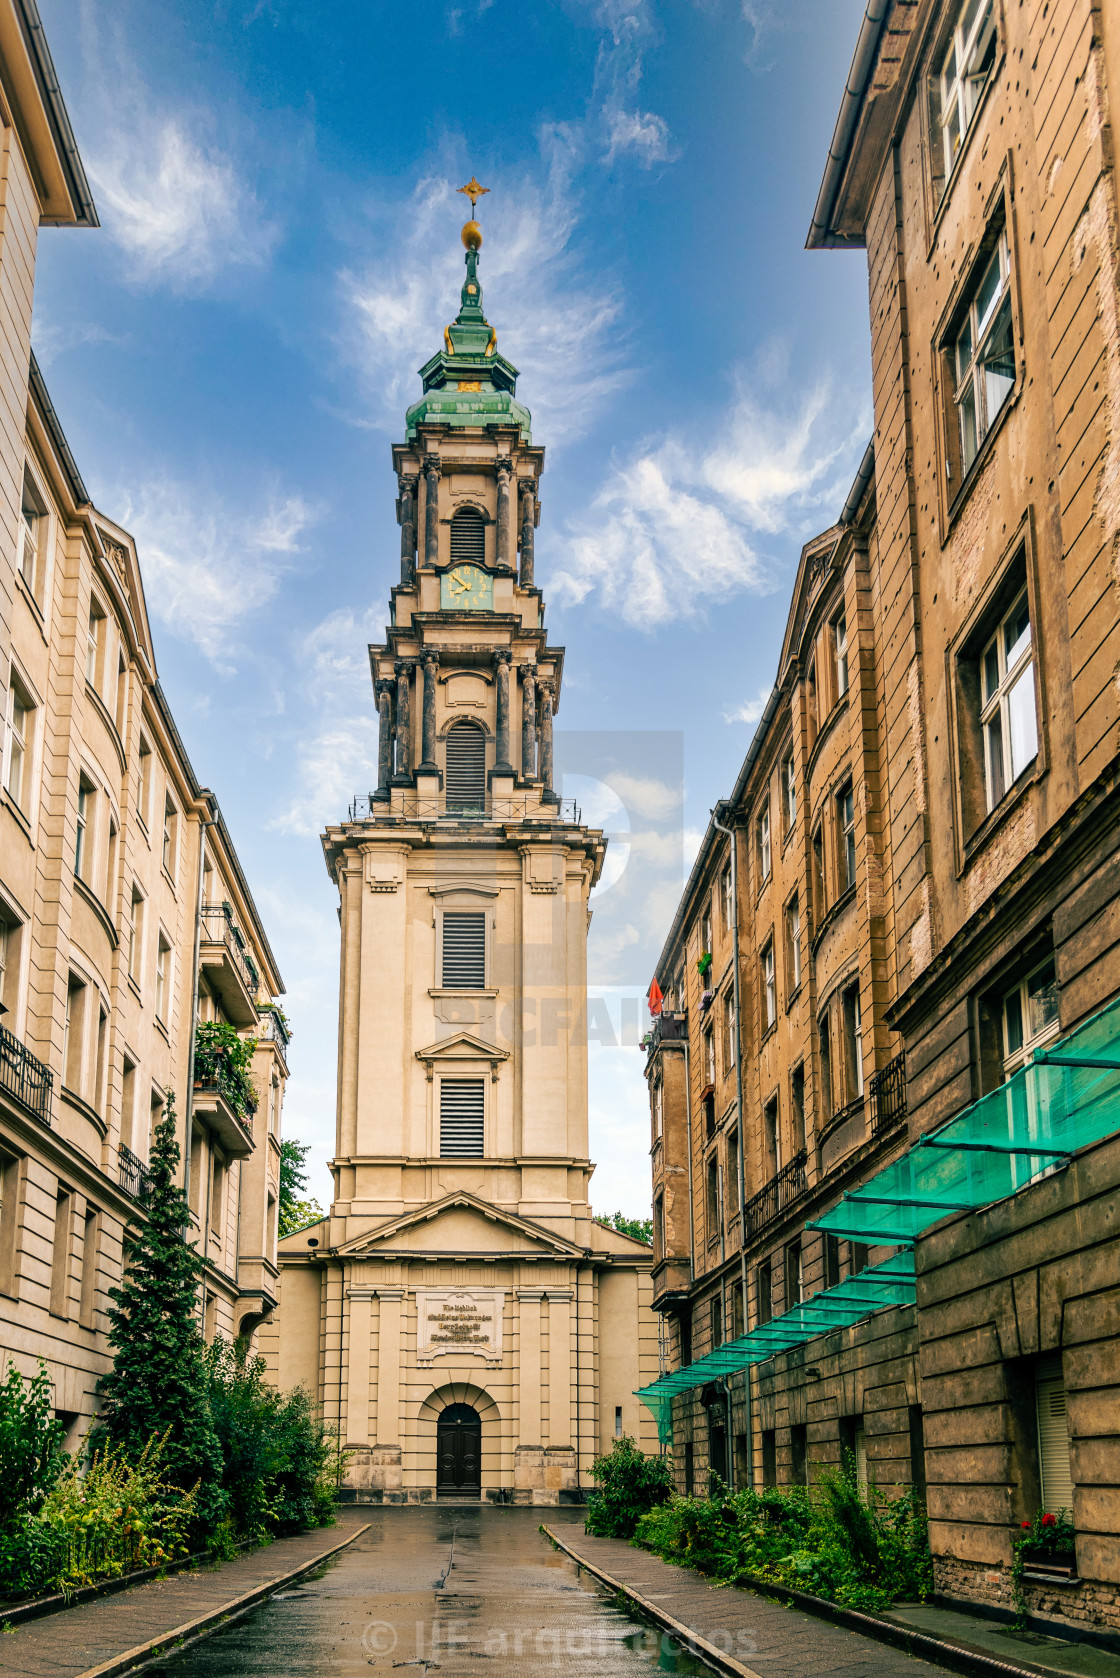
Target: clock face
[(466, 588)]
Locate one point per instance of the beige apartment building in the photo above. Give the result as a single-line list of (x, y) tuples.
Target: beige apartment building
[(968, 980), (470, 1328), (124, 913)]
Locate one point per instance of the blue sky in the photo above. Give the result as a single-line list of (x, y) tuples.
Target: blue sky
[(232, 354)]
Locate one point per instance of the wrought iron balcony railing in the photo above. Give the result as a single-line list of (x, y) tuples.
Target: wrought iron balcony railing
[(219, 927), (528, 808), (668, 1027), (780, 1192), (133, 1173), (24, 1077), (273, 1030), (886, 1091)]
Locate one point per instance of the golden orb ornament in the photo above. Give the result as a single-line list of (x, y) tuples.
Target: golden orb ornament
[(472, 236)]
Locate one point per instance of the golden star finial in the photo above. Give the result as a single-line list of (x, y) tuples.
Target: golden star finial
[(473, 191)]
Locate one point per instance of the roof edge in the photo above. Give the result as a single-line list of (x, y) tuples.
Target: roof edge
[(820, 235), (85, 212)]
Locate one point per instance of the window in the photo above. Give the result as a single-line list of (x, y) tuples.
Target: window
[(618, 1421), (859, 1256), (1030, 1017), (840, 653), (468, 535), (725, 898), (462, 1116), (72, 1044), (465, 763), (729, 1033), (764, 1292), (797, 1107), (824, 1039), (128, 1101), (60, 1254), (793, 945), (799, 1454), (163, 977), (1007, 716), (853, 1043), (17, 743), (793, 1275), (464, 950), (769, 1457), (135, 935), (706, 932), (658, 1111), (831, 1261), (983, 356), (812, 710), (122, 694), (961, 78), (763, 831), (684, 1338), (771, 1140), (94, 634), (716, 1309), (99, 1091), (738, 1319), (710, 1056), (144, 786), (789, 793), (9, 1223), (83, 839), (219, 1179), (846, 835), (820, 901), (32, 522), (91, 1232), (733, 1174), (11, 947), (659, 1226), (769, 992), (170, 827), (712, 1183), (1053, 1435)]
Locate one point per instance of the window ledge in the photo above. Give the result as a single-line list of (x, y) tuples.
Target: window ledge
[(106, 716), (82, 1106), (442, 991), (161, 1026), (22, 821), (87, 893), (36, 609), (767, 1034), (169, 880), (833, 914), (825, 730), (135, 989), (1014, 795), (794, 994), (968, 483)]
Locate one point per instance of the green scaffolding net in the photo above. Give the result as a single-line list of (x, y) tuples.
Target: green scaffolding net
[(1066, 1098), (889, 1283)]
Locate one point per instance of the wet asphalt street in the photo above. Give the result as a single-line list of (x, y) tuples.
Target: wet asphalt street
[(459, 1590)]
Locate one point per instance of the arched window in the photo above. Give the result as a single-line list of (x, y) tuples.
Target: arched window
[(465, 770), (468, 535)]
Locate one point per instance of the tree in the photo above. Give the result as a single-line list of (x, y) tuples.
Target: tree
[(640, 1228), (158, 1383), (295, 1213)]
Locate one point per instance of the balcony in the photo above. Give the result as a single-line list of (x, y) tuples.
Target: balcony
[(886, 1092), (767, 1206), (528, 808), (229, 968), (224, 1095), (272, 1029), (24, 1077), (233, 1131), (133, 1175), (667, 1028)]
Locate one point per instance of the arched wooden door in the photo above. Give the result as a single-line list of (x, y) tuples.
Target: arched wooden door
[(459, 1451)]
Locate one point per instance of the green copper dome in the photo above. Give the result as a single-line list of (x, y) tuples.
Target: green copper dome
[(468, 382)]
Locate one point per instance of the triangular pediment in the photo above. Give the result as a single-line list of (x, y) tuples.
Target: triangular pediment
[(462, 1046), (461, 1220)]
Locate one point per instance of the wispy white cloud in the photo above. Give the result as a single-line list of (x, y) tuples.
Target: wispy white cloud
[(629, 27), (750, 710), (642, 133), (209, 566)]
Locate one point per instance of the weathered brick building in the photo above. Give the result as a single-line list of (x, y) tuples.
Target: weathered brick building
[(970, 785)]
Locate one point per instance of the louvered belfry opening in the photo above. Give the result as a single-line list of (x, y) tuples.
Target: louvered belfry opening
[(468, 535), (464, 950), (465, 770), (462, 1114)]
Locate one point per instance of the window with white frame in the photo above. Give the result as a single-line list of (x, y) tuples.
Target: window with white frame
[(94, 634), (1008, 719), (846, 835), (163, 977), (31, 525), (840, 653), (135, 934), (983, 354), (820, 897), (793, 944), (729, 1032), (710, 1056), (11, 945), (789, 792), (726, 899), (17, 742), (83, 835), (763, 831), (144, 783), (1030, 1016), (853, 1042), (658, 1111), (962, 74), (769, 992), (170, 823), (706, 933)]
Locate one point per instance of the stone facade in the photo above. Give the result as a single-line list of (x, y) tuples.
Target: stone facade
[(106, 842), (460, 1297)]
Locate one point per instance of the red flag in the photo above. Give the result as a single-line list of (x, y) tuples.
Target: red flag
[(655, 998)]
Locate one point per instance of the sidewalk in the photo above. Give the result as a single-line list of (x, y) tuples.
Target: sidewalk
[(114, 1633), (759, 1636)]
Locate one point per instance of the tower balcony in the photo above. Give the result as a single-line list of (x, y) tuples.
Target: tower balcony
[(457, 812)]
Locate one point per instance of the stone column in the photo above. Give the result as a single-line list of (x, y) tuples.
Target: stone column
[(529, 1366), (528, 520), (357, 1369), (528, 722), (431, 509), (502, 556), (407, 484), (430, 661), (547, 793), (384, 691), (403, 668), (560, 1368), (389, 1366), (502, 659)]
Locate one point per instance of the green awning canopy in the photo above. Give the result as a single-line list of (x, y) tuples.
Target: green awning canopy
[(1068, 1097), (889, 1283)]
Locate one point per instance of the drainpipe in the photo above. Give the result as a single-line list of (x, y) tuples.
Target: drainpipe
[(737, 1043)]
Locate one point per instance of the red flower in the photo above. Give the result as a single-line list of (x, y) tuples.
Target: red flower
[(1049, 1520), (1026, 1526)]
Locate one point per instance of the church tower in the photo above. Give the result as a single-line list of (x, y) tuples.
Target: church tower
[(467, 1325)]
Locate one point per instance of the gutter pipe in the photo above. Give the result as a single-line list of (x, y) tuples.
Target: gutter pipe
[(820, 234)]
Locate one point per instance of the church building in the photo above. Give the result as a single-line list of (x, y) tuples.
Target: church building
[(465, 1324)]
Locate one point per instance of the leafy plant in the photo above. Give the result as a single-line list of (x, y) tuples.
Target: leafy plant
[(222, 1060), (640, 1228), (294, 1213), (115, 1516), (1052, 1533), (627, 1485), (31, 1459)]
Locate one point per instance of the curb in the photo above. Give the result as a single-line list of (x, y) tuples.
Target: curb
[(38, 1607), (958, 1657), (193, 1631)]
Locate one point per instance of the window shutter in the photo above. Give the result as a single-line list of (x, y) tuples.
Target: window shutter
[(468, 536), (465, 772), (462, 1109), (1053, 1437), (464, 951)]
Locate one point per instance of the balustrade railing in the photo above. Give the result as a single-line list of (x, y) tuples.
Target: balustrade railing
[(780, 1192), (133, 1175), (219, 927), (886, 1091), (368, 807), (273, 1030), (24, 1077)]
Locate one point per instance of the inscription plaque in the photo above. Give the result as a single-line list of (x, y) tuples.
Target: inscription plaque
[(459, 1324)]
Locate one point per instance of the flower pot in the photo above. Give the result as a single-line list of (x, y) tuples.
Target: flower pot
[(1062, 1564)]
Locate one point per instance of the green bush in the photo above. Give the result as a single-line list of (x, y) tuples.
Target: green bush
[(222, 1059), (627, 1485), (115, 1517), (274, 1450), (31, 1459)]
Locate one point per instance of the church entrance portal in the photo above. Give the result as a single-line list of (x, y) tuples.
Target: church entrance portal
[(459, 1452)]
